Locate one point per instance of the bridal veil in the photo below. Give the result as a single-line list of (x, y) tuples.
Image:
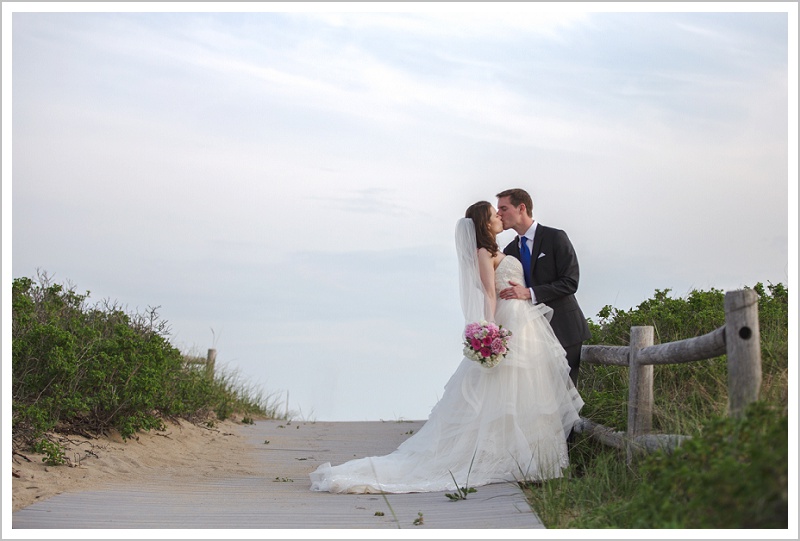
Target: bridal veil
[(473, 297)]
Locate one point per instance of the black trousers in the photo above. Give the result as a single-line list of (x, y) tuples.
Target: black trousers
[(574, 361)]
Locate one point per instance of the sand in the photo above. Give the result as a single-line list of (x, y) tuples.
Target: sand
[(182, 450)]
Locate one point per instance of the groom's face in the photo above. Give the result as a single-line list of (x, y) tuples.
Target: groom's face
[(510, 215)]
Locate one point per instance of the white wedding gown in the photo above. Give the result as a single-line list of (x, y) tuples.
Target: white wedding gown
[(506, 423)]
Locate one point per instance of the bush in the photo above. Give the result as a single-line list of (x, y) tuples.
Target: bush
[(80, 368), (690, 393), (672, 319), (731, 474)]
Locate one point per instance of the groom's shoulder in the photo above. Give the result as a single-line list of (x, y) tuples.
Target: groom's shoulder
[(553, 233), (548, 230)]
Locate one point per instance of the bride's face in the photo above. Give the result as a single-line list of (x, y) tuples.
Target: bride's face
[(495, 223)]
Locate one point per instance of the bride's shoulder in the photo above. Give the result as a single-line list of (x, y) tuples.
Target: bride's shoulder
[(486, 255)]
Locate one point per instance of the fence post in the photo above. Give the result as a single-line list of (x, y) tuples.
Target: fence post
[(640, 387), (210, 361), (743, 347)]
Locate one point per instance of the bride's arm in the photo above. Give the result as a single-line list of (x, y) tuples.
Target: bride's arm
[(486, 268)]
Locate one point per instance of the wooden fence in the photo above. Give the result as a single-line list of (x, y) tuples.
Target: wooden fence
[(206, 365), (739, 338)]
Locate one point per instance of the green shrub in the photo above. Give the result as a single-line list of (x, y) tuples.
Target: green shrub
[(731, 474), (77, 367), (688, 393), (53, 453)]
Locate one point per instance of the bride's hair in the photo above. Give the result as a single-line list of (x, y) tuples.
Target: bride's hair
[(480, 213)]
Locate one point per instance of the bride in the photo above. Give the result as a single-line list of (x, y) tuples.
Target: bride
[(505, 423)]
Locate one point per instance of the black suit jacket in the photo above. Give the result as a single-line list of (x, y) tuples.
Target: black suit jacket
[(554, 278)]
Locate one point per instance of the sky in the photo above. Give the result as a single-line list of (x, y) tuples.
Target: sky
[(283, 184)]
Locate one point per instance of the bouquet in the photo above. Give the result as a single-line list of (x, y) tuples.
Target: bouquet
[(486, 343)]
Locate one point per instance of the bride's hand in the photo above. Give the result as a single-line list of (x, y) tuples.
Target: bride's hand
[(516, 291)]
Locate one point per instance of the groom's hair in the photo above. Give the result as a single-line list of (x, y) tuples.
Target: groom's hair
[(518, 196)]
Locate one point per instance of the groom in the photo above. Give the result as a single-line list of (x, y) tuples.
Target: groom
[(551, 272)]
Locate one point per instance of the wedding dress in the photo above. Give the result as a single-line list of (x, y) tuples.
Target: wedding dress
[(505, 423)]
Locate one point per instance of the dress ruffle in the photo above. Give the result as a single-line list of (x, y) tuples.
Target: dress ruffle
[(506, 423)]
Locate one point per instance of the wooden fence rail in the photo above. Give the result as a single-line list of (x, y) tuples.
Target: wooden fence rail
[(739, 338)]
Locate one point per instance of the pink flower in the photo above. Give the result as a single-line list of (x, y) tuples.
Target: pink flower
[(476, 344), (486, 352), (497, 345)]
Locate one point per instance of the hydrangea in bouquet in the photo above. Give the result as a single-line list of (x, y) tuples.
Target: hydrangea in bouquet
[(486, 343)]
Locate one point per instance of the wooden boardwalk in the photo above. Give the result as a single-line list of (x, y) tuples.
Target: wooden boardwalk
[(281, 499)]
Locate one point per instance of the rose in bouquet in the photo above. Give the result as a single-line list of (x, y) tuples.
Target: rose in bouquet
[(486, 342)]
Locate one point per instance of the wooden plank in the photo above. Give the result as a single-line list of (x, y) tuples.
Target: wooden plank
[(613, 355), (698, 348), (743, 346), (640, 385), (281, 498)]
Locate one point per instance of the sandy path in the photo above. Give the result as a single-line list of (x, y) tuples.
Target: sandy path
[(182, 450)]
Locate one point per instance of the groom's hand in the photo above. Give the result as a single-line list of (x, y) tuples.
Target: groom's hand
[(516, 291)]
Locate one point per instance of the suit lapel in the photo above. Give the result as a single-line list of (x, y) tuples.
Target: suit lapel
[(513, 249), (537, 247)]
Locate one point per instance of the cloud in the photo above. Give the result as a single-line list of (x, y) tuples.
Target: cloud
[(375, 200), (466, 21)]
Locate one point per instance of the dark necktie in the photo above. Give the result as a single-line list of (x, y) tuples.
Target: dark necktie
[(525, 257)]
